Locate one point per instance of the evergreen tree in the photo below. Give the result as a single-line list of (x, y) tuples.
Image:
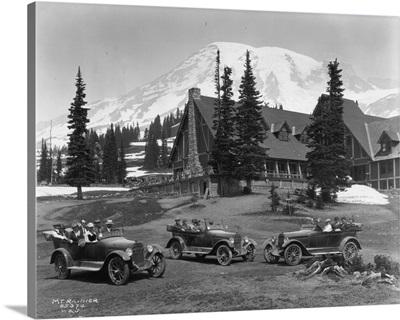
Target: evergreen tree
[(326, 160), (217, 103), (164, 149), (249, 127), (157, 128), (79, 164), (223, 123), (152, 151), (42, 173), (121, 164), (59, 167), (110, 157)]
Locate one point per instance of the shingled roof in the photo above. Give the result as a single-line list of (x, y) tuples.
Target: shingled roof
[(366, 129)]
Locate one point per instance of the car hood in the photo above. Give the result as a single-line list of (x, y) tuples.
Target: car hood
[(222, 234), (297, 234), (117, 243)]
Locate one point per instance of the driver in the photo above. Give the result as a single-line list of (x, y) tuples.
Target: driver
[(90, 234)]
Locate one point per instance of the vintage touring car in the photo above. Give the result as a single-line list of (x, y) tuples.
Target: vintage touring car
[(309, 241), (112, 252), (208, 239)]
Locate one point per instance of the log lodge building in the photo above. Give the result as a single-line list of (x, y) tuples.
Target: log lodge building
[(372, 143)]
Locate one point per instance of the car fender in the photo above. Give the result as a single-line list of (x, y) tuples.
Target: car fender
[(253, 242), (156, 249), (65, 253), (176, 238), (303, 249), (124, 256), (347, 239), (223, 241), (268, 241)]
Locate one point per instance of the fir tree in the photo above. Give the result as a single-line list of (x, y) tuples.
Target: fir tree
[(249, 127), (110, 157), (164, 149), (217, 103), (222, 155), (121, 164), (326, 160), (152, 151), (79, 164), (59, 167), (43, 163)]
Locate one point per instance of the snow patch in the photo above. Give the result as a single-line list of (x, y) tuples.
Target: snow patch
[(363, 195)]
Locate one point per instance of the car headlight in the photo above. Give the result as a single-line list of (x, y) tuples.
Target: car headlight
[(246, 239), (150, 248), (129, 252), (231, 240), (273, 239)]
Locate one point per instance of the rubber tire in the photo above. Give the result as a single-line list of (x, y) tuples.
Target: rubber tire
[(269, 257), (224, 255), (123, 270), (293, 249), (61, 263), (250, 256), (175, 250), (159, 264)]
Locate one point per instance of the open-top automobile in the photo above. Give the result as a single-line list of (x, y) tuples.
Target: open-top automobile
[(208, 239), (112, 252), (311, 241)]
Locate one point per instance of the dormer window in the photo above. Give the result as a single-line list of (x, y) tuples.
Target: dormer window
[(283, 134), (304, 138), (386, 146)]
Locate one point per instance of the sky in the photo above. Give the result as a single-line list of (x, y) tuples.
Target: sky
[(121, 47)]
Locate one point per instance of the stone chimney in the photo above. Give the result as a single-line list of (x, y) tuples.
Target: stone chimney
[(193, 156)]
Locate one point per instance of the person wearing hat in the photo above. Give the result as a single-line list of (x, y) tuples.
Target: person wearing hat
[(108, 226), (178, 223), (59, 232), (97, 226), (77, 232), (328, 226), (90, 234)]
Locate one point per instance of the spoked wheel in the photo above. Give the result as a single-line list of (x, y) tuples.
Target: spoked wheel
[(60, 264), (268, 256), (224, 255), (175, 250), (118, 271), (251, 253), (157, 265), (293, 254), (350, 251)]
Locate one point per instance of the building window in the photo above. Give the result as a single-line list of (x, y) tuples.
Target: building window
[(385, 147), (304, 138), (283, 135)]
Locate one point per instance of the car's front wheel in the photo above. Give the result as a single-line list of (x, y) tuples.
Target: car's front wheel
[(175, 250), (157, 268), (251, 253), (60, 264), (268, 256), (293, 254), (118, 271), (224, 255), (350, 251)]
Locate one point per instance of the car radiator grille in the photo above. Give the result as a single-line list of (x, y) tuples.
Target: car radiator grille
[(137, 256), (281, 239), (237, 242)]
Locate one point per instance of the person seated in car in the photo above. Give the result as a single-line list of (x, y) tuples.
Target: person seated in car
[(187, 226), (60, 233), (97, 226), (328, 226), (77, 232), (90, 234), (178, 223), (108, 226), (343, 224), (317, 227), (336, 224), (196, 225)]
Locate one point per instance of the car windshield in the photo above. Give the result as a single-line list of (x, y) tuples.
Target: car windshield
[(116, 229)]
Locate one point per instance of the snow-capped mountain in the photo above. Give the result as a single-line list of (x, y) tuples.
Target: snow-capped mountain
[(283, 77)]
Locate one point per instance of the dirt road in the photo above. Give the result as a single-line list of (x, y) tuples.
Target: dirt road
[(192, 286)]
